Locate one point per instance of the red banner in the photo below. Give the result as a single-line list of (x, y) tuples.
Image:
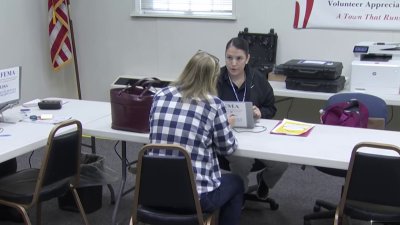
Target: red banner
[(348, 14)]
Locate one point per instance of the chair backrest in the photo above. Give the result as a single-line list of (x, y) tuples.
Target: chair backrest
[(377, 107), (61, 161), (166, 183), (373, 178)]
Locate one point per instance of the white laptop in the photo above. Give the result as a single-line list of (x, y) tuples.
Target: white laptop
[(243, 112)]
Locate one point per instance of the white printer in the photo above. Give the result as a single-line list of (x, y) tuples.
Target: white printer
[(376, 68)]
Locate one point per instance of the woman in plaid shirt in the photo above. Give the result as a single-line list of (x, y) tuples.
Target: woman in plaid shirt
[(189, 113)]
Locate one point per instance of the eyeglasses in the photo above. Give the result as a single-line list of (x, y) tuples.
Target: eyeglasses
[(212, 56)]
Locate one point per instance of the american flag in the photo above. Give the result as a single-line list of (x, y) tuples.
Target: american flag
[(60, 44)]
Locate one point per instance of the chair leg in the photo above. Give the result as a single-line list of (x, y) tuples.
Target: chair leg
[(23, 212), (20, 209), (112, 193), (272, 204), (208, 221), (323, 204), (318, 215), (212, 219), (328, 213), (79, 204)]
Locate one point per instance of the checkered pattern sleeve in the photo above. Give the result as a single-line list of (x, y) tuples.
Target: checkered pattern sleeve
[(200, 126), (223, 137)]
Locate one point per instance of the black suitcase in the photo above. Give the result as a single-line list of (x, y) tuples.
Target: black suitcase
[(330, 86), (262, 49), (311, 69)]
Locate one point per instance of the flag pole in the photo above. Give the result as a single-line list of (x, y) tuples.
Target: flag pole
[(71, 27)]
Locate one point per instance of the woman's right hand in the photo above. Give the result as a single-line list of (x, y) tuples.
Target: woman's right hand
[(231, 120)]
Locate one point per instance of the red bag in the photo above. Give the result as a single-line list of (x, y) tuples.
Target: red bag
[(351, 114), (130, 107)]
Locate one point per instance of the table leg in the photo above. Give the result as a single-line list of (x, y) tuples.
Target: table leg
[(284, 99), (93, 144), (123, 180), (112, 194)]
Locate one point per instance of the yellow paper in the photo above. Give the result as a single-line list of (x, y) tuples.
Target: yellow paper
[(292, 127)]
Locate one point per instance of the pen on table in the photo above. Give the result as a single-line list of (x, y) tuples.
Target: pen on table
[(5, 135)]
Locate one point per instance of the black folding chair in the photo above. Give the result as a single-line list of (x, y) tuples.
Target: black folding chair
[(372, 187), (59, 172), (377, 108), (165, 192)]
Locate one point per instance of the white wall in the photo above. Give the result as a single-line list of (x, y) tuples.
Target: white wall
[(24, 42), (110, 42)]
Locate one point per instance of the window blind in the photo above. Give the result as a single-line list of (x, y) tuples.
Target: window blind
[(185, 8)]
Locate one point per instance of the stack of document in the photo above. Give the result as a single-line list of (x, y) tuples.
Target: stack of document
[(292, 127)]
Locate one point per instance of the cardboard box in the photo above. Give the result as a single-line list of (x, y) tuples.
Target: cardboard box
[(276, 77)]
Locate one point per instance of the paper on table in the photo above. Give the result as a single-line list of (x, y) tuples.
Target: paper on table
[(54, 120), (292, 127), (239, 110), (32, 103)]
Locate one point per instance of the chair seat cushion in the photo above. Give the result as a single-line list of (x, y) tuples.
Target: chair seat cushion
[(157, 216), (19, 187), (368, 211)]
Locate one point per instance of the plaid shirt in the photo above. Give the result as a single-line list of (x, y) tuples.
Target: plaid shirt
[(200, 126)]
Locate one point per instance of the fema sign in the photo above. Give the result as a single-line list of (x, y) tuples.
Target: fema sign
[(9, 84)]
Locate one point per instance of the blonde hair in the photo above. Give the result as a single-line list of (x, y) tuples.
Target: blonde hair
[(199, 78)]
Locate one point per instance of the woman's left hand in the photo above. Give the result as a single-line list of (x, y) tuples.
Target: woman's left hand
[(256, 112)]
